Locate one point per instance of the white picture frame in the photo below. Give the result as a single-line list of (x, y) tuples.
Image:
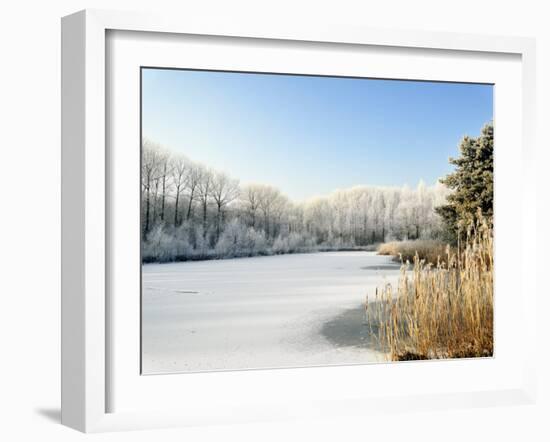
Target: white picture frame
[(87, 359)]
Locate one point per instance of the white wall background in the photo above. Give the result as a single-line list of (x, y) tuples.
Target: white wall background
[(30, 219)]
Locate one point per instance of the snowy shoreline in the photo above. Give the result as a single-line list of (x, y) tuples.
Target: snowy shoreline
[(213, 257)]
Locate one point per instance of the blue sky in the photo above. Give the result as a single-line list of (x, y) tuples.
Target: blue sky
[(311, 135)]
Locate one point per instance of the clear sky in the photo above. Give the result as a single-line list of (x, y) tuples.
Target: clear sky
[(310, 135)]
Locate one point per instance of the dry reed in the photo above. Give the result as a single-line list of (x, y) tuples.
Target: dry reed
[(443, 310), (428, 250)]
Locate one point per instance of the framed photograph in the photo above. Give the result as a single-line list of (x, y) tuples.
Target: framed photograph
[(263, 222)]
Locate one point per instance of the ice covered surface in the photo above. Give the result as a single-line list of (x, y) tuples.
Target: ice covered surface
[(262, 312)]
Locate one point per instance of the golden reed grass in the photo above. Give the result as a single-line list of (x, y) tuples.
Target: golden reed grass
[(443, 310), (402, 251)]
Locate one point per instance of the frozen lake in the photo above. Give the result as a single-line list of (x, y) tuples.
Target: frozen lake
[(262, 312)]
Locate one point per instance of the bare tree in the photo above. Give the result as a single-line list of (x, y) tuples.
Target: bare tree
[(193, 180), (149, 174), (165, 167), (154, 199), (267, 197), (204, 195), (179, 178), (280, 211), (224, 191), (251, 201)]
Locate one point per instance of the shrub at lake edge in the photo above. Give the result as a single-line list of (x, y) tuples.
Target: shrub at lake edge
[(402, 251)]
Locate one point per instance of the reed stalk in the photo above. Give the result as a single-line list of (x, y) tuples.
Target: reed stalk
[(443, 310)]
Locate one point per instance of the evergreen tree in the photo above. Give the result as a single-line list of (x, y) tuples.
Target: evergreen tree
[(471, 183)]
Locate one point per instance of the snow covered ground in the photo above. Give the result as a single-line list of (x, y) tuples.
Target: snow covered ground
[(262, 312)]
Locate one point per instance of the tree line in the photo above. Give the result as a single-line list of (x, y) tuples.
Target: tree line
[(190, 211)]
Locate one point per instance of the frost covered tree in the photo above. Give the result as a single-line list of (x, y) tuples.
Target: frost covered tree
[(165, 169), (268, 197), (194, 178), (180, 169), (150, 167), (224, 191), (205, 195), (204, 213), (250, 199)]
